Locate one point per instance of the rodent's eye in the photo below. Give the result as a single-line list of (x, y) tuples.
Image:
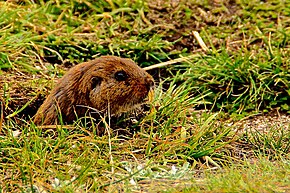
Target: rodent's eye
[(121, 75)]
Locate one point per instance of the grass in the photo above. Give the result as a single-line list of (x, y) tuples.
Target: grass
[(188, 141), (251, 177), (241, 82), (275, 143)]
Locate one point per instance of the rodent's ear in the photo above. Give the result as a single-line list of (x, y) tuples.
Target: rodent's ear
[(95, 81)]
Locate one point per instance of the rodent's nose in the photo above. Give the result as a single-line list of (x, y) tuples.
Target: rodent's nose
[(150, 83)]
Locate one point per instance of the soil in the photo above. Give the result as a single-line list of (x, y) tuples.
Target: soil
[(18, 90)]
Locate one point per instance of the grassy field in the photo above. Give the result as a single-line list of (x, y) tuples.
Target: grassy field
[(219, 121)]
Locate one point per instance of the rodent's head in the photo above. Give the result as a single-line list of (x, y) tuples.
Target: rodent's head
[(115, 83)]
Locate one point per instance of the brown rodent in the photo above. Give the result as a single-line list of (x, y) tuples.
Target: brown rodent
[(108, 82)]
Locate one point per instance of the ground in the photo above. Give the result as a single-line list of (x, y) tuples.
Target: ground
[(219, 121)]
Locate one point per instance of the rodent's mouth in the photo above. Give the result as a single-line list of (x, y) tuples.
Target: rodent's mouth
[(135, 104)]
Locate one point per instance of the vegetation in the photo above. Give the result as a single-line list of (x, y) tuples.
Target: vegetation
[(192, 139)]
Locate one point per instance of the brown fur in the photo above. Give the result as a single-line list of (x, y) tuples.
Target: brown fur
[(94, 84)]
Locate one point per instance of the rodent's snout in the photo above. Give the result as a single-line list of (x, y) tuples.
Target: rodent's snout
[(150, 83)]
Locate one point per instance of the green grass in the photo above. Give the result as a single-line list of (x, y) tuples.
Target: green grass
[(261, 176), (275, 143), (186, 142), (241, 82)]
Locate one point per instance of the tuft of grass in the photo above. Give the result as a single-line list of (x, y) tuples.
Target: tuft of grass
[(241, 82), (274, 143), (177, 131)]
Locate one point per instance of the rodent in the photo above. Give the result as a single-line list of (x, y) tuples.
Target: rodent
[(108, 82)]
